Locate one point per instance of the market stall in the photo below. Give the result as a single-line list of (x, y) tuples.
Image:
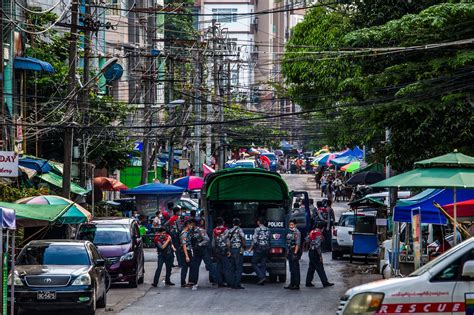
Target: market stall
[(7, 243)]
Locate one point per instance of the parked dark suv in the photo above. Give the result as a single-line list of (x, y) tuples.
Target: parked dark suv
[(120, 243), (60, 274)]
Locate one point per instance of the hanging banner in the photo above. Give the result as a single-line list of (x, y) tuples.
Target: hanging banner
[(8, 164), (416, 229)]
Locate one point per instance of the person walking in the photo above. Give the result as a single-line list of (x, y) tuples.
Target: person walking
[(157, 220), (174, 226), (201, 252), (315, 239), (293, 241), (165, 250), (221, 253), (236, 239), (260, 247), (186, 251)]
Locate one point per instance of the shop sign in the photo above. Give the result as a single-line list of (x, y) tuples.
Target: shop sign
[(8, 164)]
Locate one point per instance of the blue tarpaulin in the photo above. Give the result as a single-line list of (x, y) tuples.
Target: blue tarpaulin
[(341, 161), (348, 152), (39, 165), (424, 202), (358, 153), (32, 64)]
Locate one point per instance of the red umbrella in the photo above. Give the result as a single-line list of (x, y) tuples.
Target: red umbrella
[(265, 161), (464, 209), (108, 184)]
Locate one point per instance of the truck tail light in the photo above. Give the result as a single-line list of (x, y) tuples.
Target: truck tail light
[(334, 232), (276, 250)]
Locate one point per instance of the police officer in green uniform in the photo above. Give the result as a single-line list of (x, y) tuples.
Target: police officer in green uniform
[(293, 242)]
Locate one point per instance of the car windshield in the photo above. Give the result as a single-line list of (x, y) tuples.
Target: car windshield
[(244, 164), (106, 234), (439, 259), (53, 254), (271, 157), (347, 220)]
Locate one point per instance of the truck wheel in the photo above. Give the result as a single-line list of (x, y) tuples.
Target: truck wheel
[(282, 278), (272, 278), (335, 255)]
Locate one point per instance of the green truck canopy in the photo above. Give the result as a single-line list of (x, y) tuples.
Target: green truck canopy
[(245, 185)]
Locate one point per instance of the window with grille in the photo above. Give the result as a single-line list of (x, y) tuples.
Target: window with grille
[(225, 15)]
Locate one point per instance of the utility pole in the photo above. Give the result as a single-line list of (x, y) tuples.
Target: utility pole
[(171, 137), (215, 76), (149, 93), (69, 131), (197, 108), (85, 95), (4, 138)]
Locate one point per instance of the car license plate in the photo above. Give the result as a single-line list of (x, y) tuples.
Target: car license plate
[(46, 295), (248, 253)]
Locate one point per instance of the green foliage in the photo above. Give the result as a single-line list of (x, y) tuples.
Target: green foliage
[(179, 26), (421, 94), (105, 148), (9, 193)]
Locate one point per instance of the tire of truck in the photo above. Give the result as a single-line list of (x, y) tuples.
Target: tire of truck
[(282, 278), (272, 278), (335, 255)]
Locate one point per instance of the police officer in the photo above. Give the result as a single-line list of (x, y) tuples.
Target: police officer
[(174, 226), (293, 241), (186, 251), (165, 250), (260, 247), (315, 239), (221, 253), (202, 252), (236, 239)]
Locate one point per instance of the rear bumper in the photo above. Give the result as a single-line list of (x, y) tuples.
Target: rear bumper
[(275, 265), (65, 299)]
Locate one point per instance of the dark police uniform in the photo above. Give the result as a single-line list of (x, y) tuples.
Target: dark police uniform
[(260, 245), (202, 252), (316, 239), (236, 237), (293, 239), (165, 256), (185, 239)]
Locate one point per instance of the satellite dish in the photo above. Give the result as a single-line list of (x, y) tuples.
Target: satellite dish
[(113, 73)]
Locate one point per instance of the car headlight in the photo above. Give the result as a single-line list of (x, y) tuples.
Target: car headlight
[(83, 279), (127, 256), (364, 303), (16, 280)]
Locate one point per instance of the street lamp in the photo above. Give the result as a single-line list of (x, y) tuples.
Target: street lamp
[(172, 105)]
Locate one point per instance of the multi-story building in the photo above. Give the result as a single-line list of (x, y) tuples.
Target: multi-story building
[(237, 26)]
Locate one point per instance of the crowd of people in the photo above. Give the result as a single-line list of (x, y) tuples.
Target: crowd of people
[(186, 240)]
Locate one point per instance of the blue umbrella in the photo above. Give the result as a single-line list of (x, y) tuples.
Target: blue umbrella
[(154, 189), (341, 161)]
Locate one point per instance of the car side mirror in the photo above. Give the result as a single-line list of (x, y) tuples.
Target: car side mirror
[(100, 263), (468, 269)]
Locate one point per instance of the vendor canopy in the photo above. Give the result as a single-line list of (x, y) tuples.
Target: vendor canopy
[(40, 215), (341, 161), (154, 189), (245, 185), (424, 202)]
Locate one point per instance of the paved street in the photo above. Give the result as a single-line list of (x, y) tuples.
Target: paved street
[(269, 299)]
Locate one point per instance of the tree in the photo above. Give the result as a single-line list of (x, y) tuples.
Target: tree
[(107, 148), (421, 94)]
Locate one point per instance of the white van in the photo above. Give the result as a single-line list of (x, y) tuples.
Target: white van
[(442, 286)]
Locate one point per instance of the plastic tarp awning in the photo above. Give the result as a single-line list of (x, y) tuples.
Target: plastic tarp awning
[(358, 153), (8, 218), (429, 213), (57, 181), (39, 165), (246, 186), (344, 160), (36, 215), (32, 64)]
